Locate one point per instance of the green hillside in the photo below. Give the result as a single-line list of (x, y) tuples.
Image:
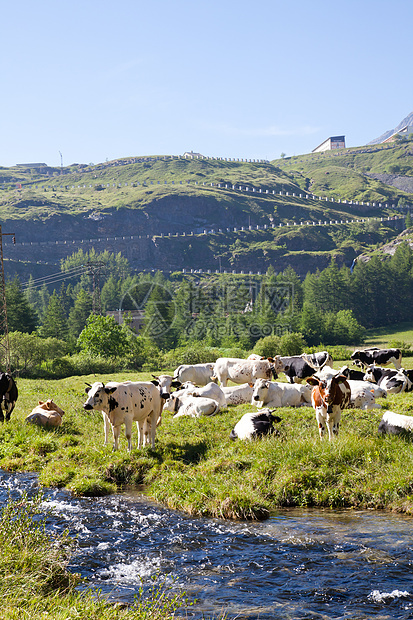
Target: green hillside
[(250, 210)]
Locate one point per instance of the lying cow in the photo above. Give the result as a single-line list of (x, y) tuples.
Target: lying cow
[(363, 396), (392, 381), (245, 371), (125, 403), (380, 357), (274, 394), (211, 390), (238, 394), (46, 414), (193, 406), (329, 397), (351, 373), (199, 374), (395, 424), (254, 424), (8, 395)]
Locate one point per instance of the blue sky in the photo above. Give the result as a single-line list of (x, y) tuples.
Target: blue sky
[(98, 80)]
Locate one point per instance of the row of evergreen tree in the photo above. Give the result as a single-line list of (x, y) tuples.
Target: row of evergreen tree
[(332, 306)]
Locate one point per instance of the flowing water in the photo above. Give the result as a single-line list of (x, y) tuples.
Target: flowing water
[(298, 564)]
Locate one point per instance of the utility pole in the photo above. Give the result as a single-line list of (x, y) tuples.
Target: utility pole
[(61, 162), (4, 328), (94, 269)]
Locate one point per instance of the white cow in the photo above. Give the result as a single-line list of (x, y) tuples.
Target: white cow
[(242, 371), (200, 374), (373, 388), (193, 406), (125, 403), (275, 394), (362, 397), (210, 390), (238, 394)]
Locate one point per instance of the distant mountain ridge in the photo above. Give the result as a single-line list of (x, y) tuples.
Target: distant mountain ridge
[(406, 121)]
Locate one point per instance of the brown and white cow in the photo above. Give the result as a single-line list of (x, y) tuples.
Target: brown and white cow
[(329, 397)]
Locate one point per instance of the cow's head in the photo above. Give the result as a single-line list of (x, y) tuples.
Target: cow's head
[(98, 395), (260, 390), (329, 390), (49, 405)]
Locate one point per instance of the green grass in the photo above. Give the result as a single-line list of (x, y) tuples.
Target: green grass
[(35, 582), (384, 336), (196, 468)]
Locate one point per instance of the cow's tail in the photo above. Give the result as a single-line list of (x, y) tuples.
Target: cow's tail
[(233, 435)]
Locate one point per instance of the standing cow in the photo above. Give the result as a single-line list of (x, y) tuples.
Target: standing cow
[(246, 371), (125, 403), (329, 397), (8, 395), (380, 357)]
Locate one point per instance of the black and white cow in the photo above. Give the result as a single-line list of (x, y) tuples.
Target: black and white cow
[(395, 424), (350, 373), (299, 367), (381, 357), (8, 395), (393, 381), (254, 424)]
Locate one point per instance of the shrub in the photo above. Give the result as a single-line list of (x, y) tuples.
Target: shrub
[(292, 344), (405, 347), (268, 346)]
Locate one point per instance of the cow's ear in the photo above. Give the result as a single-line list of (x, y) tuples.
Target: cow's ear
[(176, 384), (251, 384), (87, 390), (270, 359), (313, 381), (41, 402), (155, 382), (110, 390)]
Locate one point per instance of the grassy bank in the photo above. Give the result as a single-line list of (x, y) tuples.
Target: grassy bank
[(35, 582), (196, 468)]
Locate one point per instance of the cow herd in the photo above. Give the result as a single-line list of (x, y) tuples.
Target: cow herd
[(202, 390)]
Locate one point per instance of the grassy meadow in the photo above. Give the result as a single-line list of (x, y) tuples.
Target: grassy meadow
[(196, 468)]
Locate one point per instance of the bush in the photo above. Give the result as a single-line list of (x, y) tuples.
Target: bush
[(268, 346), (405, 347), (292, 344), (190, 354)]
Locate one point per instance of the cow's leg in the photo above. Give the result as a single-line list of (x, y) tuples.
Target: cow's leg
[(223, 378), (320, 415), (115, 432), (336, 423), (128, 432), (1, 410), (140, 425), (106, 427)]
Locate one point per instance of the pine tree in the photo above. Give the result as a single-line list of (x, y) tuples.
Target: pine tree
[(20, 314), (79, 314), (55, 321)]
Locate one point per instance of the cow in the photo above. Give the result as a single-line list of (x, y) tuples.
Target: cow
[(318, 359), (393, 381), (274, 394), (199, 374), (254, 424), (245, 371), (238, 394), (350, 373), (395, 424), (373, 388), (166, 382), (362, 396), (46, 414), (125, 403), (8, 395), (299, 367), (329, 397), (193, 406), (211, 390), (381, 357)]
